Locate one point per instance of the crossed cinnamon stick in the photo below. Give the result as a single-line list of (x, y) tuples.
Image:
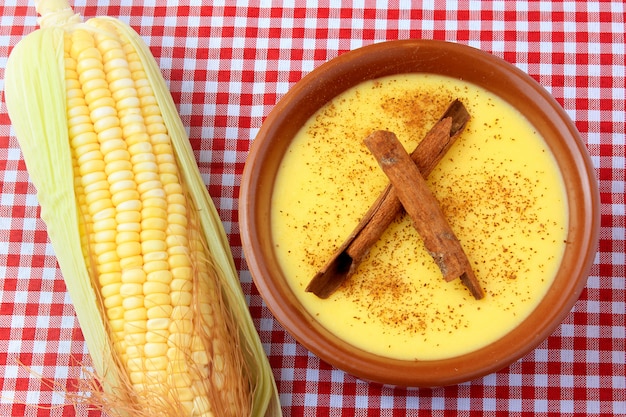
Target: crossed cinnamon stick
[(416, 199)]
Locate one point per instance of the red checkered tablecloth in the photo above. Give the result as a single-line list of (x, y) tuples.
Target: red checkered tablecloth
[(227, 64)]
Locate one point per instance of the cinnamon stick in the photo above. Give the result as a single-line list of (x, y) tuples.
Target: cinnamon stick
[(421, 204), (426, 156)]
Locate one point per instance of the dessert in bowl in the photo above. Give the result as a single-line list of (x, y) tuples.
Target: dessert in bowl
[(517, 187)]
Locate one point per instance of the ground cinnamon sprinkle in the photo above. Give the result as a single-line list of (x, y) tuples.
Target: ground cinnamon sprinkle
[(500, 206)]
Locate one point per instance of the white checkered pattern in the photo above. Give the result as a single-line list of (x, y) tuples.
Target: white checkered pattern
[(227, 64)]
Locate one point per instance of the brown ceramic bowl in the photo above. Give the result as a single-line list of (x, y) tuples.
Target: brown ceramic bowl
[(452, 60)]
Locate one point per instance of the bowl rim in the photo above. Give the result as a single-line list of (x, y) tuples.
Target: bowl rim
[(582, 192)]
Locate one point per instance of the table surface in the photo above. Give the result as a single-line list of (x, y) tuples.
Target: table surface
[(227, 65)]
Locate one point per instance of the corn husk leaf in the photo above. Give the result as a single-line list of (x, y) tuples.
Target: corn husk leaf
[(36, 105)]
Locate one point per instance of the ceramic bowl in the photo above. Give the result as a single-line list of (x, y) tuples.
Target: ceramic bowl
[(422, 56)]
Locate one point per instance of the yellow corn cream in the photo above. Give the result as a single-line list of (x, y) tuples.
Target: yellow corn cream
[(499, 187)]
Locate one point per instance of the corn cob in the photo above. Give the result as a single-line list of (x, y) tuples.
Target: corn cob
[(138, 240)]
